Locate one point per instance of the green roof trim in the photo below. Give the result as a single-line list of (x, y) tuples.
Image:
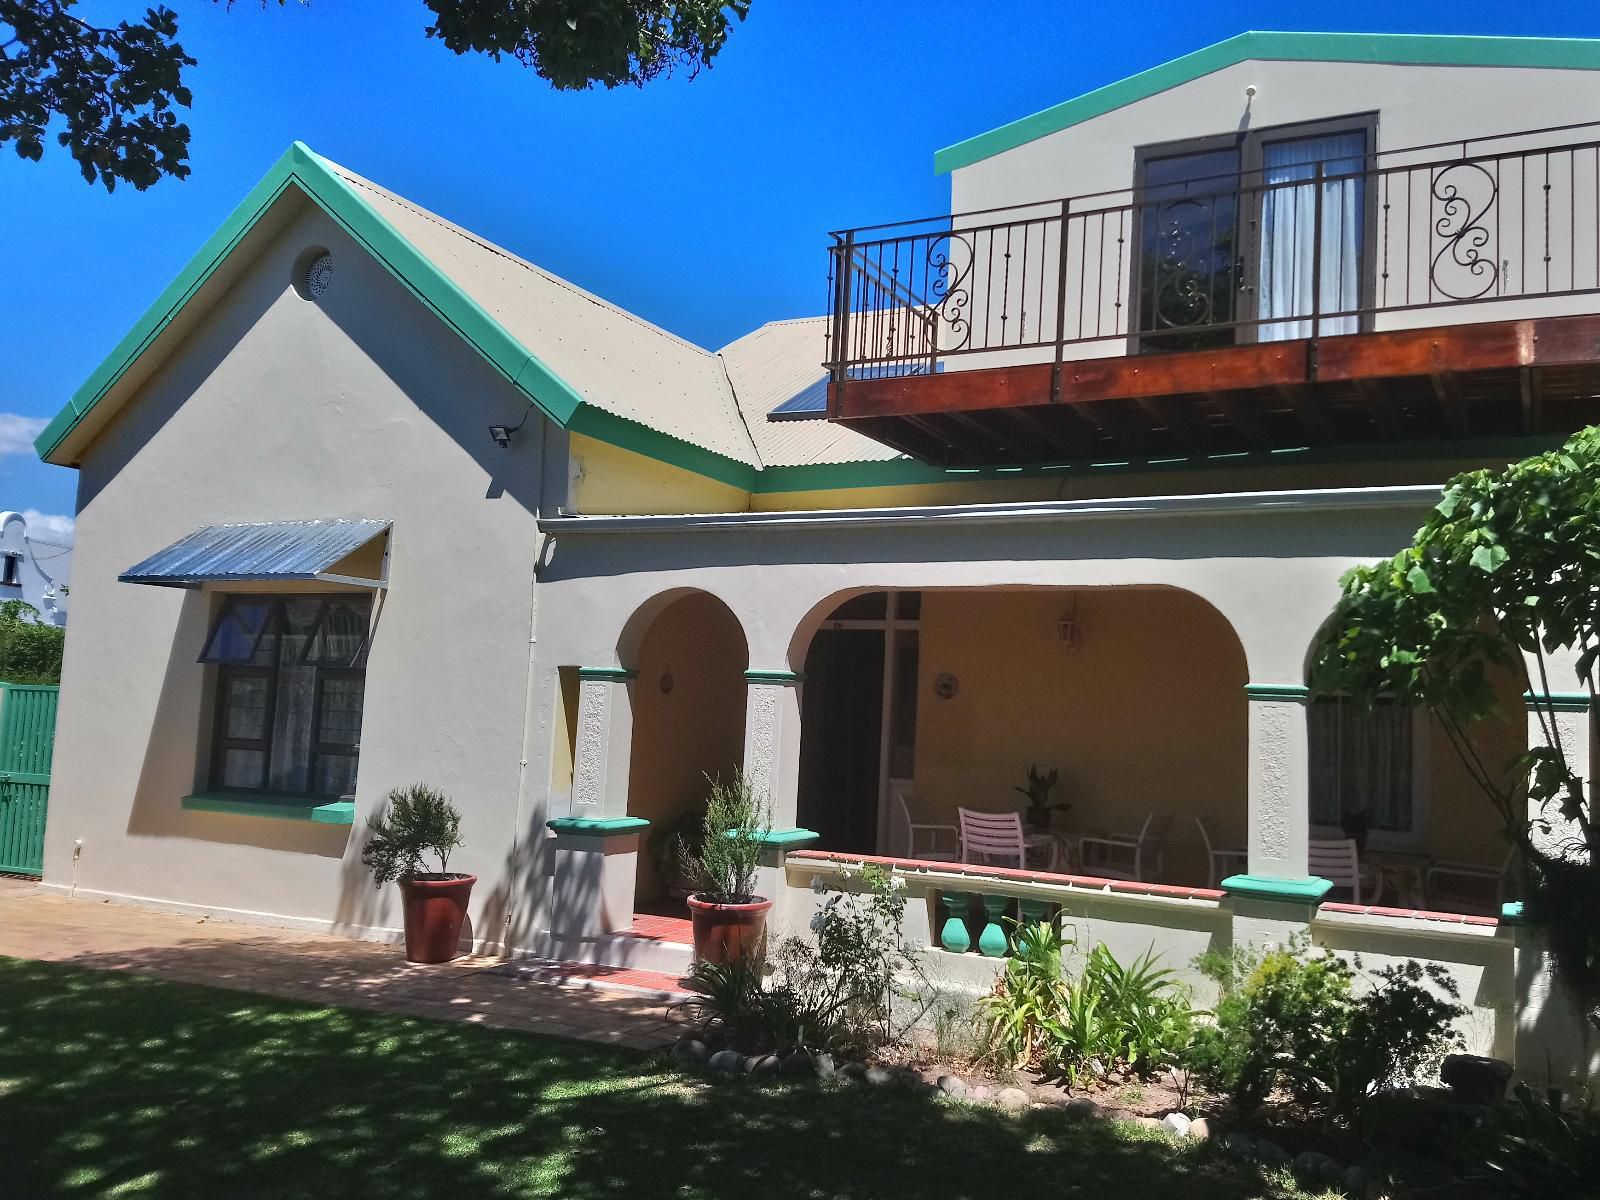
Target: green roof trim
[(284, 808), (1405, 48), (618, 431), (598, 826), (1309, 890)]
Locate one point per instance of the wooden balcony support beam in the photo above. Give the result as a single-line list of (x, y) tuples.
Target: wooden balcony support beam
[(1380, 402), (1447, 390)]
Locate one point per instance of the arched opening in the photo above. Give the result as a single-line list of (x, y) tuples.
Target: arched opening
[(1389, 778), (689, 655), (1133, 695)]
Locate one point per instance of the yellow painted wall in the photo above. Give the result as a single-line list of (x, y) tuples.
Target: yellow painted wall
[(695, 728), (607, 480), (1462, 824), (1149, 713)]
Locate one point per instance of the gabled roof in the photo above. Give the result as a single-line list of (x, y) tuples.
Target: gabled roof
[(1402, 48)]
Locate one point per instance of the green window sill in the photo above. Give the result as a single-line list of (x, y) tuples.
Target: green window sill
[(284, 808)]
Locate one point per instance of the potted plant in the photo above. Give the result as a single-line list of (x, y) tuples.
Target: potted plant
[(672, 844), (418, 820), (729, 919), (1038, 792)]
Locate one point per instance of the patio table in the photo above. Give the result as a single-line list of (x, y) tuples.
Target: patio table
[(1047, 850), (1404, 873)]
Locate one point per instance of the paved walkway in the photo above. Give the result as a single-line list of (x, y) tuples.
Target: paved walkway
[(627, 1008)]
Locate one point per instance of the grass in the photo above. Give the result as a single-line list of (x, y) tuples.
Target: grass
[(119, 1085)]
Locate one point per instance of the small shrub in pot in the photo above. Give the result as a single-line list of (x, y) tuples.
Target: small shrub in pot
[(419, 822), (729, 919)]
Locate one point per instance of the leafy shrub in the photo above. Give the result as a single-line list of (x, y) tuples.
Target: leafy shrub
[(1114, 1019), (30, 651), (1294, 1020), (736, 826), (418, 820), (834, 990), (1540, 1149)]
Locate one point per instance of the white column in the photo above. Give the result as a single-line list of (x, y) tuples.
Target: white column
[(1563, 712), (1279, 788), (604, 743), (772, 741)]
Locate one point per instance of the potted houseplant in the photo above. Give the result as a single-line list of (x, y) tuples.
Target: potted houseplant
[(420, 820), (728, 918), (1038, 791)]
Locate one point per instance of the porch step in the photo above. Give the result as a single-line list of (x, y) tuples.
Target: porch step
[(658, 944), (590, 976)]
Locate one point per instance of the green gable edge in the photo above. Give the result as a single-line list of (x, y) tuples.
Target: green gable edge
[(1414, 49)]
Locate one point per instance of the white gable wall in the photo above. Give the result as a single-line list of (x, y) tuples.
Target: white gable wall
[(360, 405)]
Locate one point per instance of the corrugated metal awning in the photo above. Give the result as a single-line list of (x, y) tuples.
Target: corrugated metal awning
[(270, 550)]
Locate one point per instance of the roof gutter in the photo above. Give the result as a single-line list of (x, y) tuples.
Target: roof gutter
[(1410, 496)]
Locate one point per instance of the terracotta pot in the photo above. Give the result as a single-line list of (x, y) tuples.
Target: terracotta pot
[(725, 932), (435, 909)]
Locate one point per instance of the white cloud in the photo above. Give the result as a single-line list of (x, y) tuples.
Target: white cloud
[(49, 527), (17, 433)]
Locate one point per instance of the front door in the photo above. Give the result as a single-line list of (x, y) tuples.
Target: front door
[(841, 742)]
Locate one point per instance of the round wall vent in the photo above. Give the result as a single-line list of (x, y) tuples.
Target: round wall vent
[(319, 273)]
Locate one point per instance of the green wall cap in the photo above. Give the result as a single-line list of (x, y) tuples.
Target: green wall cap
[(284, 808), (1416, 49), (1511, 912), (1277, 691), (772, 677), (1558, 701), (606, 673), (788, 839), (597, 826), (1309, 890)]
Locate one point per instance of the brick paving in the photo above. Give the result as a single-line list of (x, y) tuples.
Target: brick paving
[(597, 1004)]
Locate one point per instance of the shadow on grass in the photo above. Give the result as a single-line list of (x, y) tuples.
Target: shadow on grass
[(114, 1084)]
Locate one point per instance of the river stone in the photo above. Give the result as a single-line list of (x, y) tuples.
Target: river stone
[(1239, 1145), (1013, 1098), (953, 1086), (1356, 1180), (1176, 1123), (1200, 1129), (1311, 1164), (824, 1065), (797, 1065), (1271, 1153), (1474, 1079), (879, 1076), (982, 1094), (1082, 1106), (767, 1067), (730, 1062), (690, 1050)]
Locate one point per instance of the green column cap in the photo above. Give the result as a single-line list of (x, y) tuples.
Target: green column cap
[(788, 839), (773, 677), (1309, 890), (1511, 912), (1277, 691), (606, 673), (598, 826)]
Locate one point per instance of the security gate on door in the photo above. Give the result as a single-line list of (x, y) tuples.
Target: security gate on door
[(27, 735)]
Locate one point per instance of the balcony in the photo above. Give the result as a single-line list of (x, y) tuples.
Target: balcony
[(1236, 303)]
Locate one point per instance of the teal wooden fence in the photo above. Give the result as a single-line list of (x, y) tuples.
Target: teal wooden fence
[(27, 736)]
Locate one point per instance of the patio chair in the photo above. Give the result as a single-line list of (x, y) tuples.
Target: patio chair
[(1135, 856), (1221, 860), (1339, 860), (993, 839), (1466, 887), (917, 824)]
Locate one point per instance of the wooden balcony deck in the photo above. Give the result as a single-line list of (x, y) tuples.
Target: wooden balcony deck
[(1464, 382)]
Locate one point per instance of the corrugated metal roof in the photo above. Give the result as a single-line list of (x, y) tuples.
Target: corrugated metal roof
[(617, 361), (262, 550), (778, 363)]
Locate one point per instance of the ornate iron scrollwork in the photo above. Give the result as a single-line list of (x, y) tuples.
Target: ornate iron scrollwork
[(1466, 193), (1183, 295), (950, 257)]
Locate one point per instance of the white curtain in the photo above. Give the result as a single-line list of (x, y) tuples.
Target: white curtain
[(1361, 760), (1288, 234)]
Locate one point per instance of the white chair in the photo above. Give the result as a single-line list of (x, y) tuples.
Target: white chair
[(1221, 861), (916, 825), (992, 839), (1339, 861), (1135, 856), (1465, 887)]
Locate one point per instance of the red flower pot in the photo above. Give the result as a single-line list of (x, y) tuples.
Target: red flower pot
[(725, 932), (434, 910)]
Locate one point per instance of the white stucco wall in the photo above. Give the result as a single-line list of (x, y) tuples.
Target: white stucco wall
[(44, 569), (358, 405)]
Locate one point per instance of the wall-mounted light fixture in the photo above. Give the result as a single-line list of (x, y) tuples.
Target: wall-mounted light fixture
[(1067, 628), (502, 434)]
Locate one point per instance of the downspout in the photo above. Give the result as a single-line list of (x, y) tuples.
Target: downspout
[(521, 869)]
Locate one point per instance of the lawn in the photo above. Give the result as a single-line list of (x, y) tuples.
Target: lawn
[(117, 1085)]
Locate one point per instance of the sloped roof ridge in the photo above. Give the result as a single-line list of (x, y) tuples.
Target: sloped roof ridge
[(500, 251)]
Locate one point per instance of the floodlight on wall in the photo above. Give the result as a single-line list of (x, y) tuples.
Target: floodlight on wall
[(502, 434), (1067, 628)]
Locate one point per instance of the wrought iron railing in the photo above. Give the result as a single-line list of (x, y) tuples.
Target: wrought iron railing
[(1369, 242)]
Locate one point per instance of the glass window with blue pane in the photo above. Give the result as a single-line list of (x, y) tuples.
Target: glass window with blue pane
[(291, 673)]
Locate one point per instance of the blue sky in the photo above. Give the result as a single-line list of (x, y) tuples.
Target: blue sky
[(702, 205)]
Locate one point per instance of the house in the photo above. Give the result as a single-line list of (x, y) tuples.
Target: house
[(36, 570), (1068, 476)]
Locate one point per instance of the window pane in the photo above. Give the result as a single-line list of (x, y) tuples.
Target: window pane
[(1189, 249), (245, 712), (1361, 762), (340, 722), (869, 606), (336, 774), (340, 639), (243, 632), (242, 768)]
